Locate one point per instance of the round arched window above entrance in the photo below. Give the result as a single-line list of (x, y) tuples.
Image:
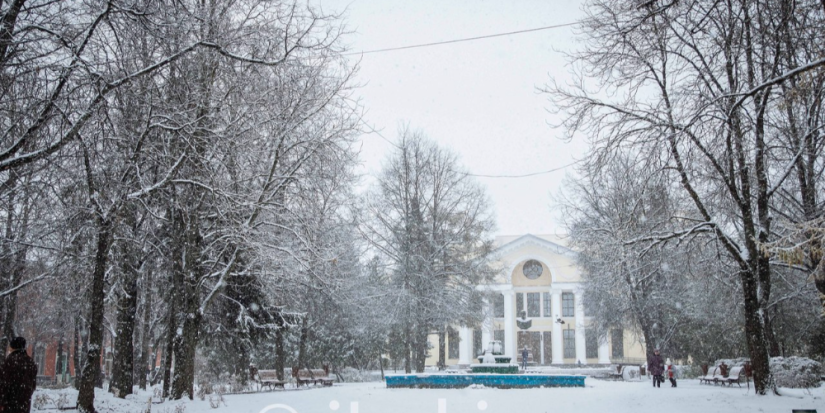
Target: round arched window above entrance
[(532, 269)]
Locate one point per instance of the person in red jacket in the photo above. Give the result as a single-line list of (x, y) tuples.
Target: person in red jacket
[(18, 378), (671, 373)]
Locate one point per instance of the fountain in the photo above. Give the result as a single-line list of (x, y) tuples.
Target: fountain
[(493, 361), (494, 370)]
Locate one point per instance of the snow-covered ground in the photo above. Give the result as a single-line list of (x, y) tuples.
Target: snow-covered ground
[(598, 396)]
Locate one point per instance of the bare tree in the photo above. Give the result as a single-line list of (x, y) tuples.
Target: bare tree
[(432, 223), (660, 289), (692, 83)]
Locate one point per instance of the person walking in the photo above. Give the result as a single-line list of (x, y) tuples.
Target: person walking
[(670, 373), (524, 354), (18, 379), (656, 368)]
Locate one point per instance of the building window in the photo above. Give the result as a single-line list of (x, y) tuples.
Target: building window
[(533, 304), (498, 335), (498, 305), (591, 343), (40, 359), (519, 304), (548, 347), (617, 342), (452, 343), (548, 310), (477, 349), (532, 269), (569, 343), (567, 305)]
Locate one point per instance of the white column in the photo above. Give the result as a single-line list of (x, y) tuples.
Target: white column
[(509, 324), (486, 335), (581, 348), (465, 347), (558, 355), (604, 352), (487, 326)]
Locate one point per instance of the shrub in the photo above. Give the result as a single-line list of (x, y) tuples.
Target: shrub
[(796, 372)]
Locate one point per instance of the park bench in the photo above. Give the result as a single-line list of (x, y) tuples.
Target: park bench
[(710, 377), (270, 378), (715, 375), (616, 373), (735, 376), (314, 376)]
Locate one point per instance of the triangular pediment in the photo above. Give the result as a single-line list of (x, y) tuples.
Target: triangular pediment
[(530, 240)]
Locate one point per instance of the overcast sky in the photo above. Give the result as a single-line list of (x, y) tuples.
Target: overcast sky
[(477, 98)]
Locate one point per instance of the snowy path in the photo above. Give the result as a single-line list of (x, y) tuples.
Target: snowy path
[(598, 396)]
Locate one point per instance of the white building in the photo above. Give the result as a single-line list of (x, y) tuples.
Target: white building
[(539, 277)]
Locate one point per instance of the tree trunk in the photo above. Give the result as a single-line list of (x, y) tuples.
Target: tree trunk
[(183, 382), (381, 365), (58, 370), (242, 368), (91, 371), (146, 333), (407, 348), (8, 304), (76, 354), (280, 354), (755, 335), (168, 352), (302, 342), (123, 367), (420, 348), (442, 349), (187, 275)]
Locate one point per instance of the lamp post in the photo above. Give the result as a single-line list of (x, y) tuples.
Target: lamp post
[(561, 322)]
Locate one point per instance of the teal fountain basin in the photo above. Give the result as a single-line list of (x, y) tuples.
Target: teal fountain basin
[(503, 381)]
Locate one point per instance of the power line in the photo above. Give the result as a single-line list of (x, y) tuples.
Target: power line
[(379, 134), (525, 175), (467, 39), (373, 130)]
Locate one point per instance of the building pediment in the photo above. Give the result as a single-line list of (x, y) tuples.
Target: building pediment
[(530, 240), (558, 259)]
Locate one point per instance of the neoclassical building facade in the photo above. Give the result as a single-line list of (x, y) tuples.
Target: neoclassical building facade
[(540, 278)]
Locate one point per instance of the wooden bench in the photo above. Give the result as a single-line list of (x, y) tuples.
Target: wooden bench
[(710, 377), (715, 376), (734, 377), (314, 376), (270, 378), (617, 373)]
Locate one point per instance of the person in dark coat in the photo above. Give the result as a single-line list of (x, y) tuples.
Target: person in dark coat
[(524, 355), (18, 378), (656, 367)]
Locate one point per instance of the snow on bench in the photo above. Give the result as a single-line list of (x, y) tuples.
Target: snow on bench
[(270, 378), (314, 376)]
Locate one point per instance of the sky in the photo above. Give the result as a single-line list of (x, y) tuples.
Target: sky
[(480, 98)]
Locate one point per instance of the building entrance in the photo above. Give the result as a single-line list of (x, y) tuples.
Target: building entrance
[(539, 344)]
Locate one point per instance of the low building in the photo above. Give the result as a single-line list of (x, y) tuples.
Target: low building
[(539, 277)]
